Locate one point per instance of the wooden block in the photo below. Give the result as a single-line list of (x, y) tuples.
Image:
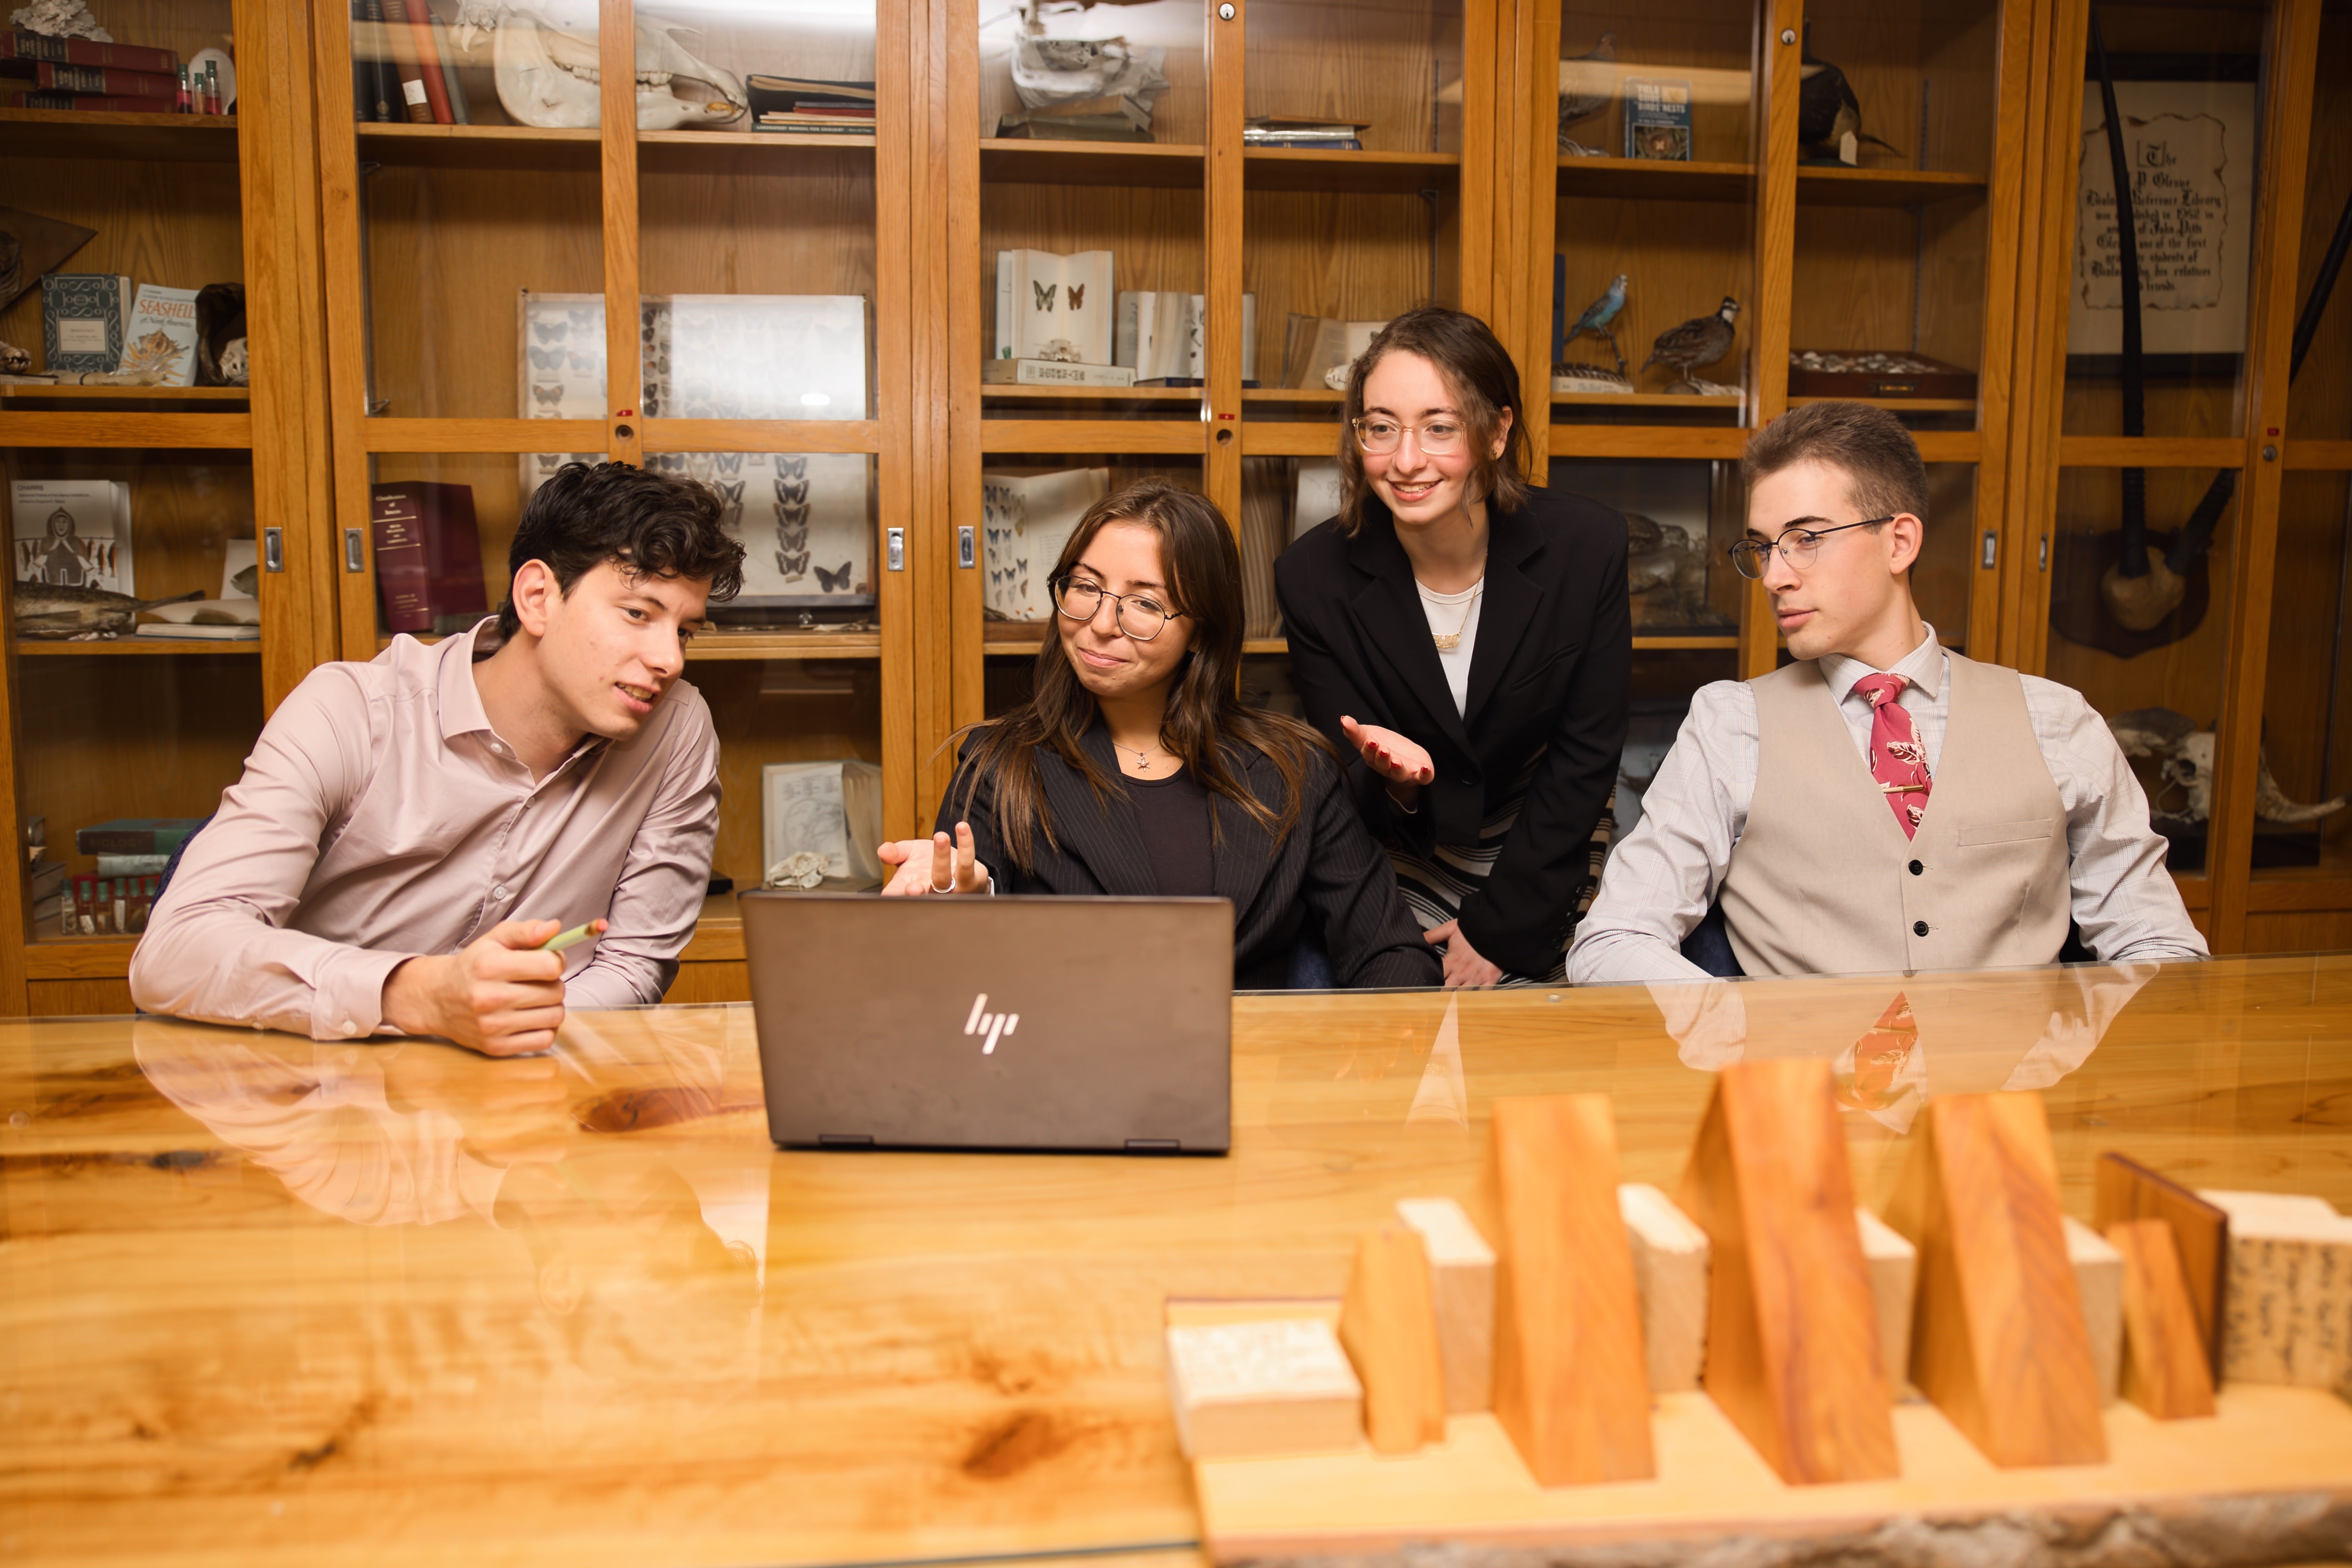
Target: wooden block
[(2288, 1314), (1244, 1390), (1670, 1276), (1894, 1265), (1999, 1341), (2164, 1355), (1791, 1332), (2122, 1188), (1389, 1328), (1568, 1385), (1462, 1289), (2099, 1280)]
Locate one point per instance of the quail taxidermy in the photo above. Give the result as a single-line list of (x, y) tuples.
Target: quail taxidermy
[(1699, 342)]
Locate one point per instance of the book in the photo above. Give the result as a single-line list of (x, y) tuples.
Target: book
[(1053, 372), (1053, 307), (775, 126), (20, 45), (1305, 143), (1559, 322), (103, 80), (766, 94), (1316, 347), (88, 102), (1027, 515), (400, 41), (191, 631), (428, 61), (460, 112), (1291, 130), (1316, 497), (372, 51), (428, 556), (73, 533), (1657, 119), (1058, 128), (1162, 336), (830, 809), (132, 864), (137, 835), (161, 334)]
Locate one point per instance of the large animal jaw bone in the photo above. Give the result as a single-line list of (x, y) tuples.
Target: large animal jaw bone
[(551, 76)]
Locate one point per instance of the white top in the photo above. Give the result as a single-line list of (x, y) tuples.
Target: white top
[(1447, 613), (1661, 880)]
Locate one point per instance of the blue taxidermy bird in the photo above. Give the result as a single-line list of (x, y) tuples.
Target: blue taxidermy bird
[(1596, 317)]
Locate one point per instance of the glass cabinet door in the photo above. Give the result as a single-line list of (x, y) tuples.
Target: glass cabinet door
[(142, 587)]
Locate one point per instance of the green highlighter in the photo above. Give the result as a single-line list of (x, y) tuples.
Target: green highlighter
[(571, 938)]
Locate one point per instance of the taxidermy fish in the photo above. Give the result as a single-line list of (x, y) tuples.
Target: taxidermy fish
[(50, 610)]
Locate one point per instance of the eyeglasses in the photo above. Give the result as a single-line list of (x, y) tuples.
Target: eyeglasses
[(1138, 617), (1798, 547), (1381, 435)]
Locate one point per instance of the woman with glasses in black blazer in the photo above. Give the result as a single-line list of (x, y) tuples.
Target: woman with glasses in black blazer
[(1135, 768), (1464, 639)]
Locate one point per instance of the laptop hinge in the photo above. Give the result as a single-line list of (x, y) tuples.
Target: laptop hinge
[(1153, 1146), (844, 1141)]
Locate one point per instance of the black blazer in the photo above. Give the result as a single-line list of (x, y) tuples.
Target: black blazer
[(1549, 674), (1328, 865)]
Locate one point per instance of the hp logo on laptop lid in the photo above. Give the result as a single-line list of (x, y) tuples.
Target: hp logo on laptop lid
[(994, 1025)]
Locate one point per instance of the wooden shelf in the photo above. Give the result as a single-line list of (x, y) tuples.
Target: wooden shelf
[(1092, 394), (139, 647), (1292, 395), (1017, 161), (745, 152), (51, 956), (1900, 405), (1829, 187), (1687, 642), (784, 643), (145, 138), (1645, 400), (1654, 179), (31, 392), (1312, 169), (526, 147), (1022, 637)]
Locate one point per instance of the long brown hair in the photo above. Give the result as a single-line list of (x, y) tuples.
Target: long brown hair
[(1205, 713), (1477, 370)]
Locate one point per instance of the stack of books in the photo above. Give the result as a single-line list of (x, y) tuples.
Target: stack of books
[(405, 66), (804, 106), (1111, 117), (1291, 130), (1084, 90), (41, 72)]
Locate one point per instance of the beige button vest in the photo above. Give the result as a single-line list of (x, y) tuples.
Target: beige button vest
[(1824, 881)]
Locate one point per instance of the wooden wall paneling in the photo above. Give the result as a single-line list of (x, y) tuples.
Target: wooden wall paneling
[(1480, 60), (78, 998), (1526, 142), (2290, 67), (1781, 23), (942, 203), (2007, 190), (1225, 216), (969, 296), (914, 604), (617, 135)]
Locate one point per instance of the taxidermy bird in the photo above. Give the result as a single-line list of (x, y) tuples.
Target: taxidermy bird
[(1701, 340), (1827, 109), (1586, 92), (1596, 317)]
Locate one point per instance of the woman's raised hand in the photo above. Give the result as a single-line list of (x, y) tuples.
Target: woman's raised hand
[(1388, 753), (935, 864)]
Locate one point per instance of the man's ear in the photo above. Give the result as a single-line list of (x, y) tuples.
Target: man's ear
[(535, 595), (1906, 537)]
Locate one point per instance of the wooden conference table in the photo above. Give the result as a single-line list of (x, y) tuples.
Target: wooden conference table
[(267, 1301)]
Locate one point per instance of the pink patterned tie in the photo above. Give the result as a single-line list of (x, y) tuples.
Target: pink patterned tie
[(1898, 761)]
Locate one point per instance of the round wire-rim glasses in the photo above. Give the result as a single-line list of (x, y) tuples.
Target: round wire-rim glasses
[(1798, 547), (1151, 617), (1381, 435)]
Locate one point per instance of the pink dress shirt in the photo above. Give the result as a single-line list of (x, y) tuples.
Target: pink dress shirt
[(381, 817)]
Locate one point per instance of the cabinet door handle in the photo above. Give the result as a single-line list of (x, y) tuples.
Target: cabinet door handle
[(354, 549), (898, 549), (273, 550), (965, 555)]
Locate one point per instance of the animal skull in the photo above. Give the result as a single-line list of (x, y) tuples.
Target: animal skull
[(233, 364), (548, 71), (2191, 767)]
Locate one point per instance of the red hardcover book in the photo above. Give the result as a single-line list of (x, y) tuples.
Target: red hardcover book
[(429, 63), (20, 45), (401, 39), (428, 556), (104, 80), (31, 99)]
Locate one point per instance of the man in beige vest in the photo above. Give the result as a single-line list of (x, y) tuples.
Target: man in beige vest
[(1882, 803)]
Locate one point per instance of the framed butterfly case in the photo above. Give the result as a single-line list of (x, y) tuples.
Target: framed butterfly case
[(806, 519)]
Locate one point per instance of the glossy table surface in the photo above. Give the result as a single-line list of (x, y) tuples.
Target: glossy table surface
[(263, 1301)]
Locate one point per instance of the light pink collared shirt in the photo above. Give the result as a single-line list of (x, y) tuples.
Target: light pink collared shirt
[(381, 817)]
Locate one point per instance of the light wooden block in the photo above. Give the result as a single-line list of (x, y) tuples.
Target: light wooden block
[(2164, 1356), (2099, 1280), (1462, 1291), (1792, 1352), (1569, 1371), (1243, 1390), (2288, 1317), (1389, 1328), (2122, 1188), (1670, 1277), (2001, 1343), (1894, 1265)]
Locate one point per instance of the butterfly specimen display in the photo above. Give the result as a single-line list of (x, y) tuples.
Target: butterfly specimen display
[(1044, 294), (1077, 296), (546, 393), (546, 359), (551, 331), (1050, 307), (834, 582)]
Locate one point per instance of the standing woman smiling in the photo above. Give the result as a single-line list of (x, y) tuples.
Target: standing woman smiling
[(1463, 638)]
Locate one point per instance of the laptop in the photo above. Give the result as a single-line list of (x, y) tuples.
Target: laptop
[(1098, 1025)]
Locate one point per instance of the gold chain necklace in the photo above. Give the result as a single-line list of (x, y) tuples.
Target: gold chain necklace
[(1448, 641)]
